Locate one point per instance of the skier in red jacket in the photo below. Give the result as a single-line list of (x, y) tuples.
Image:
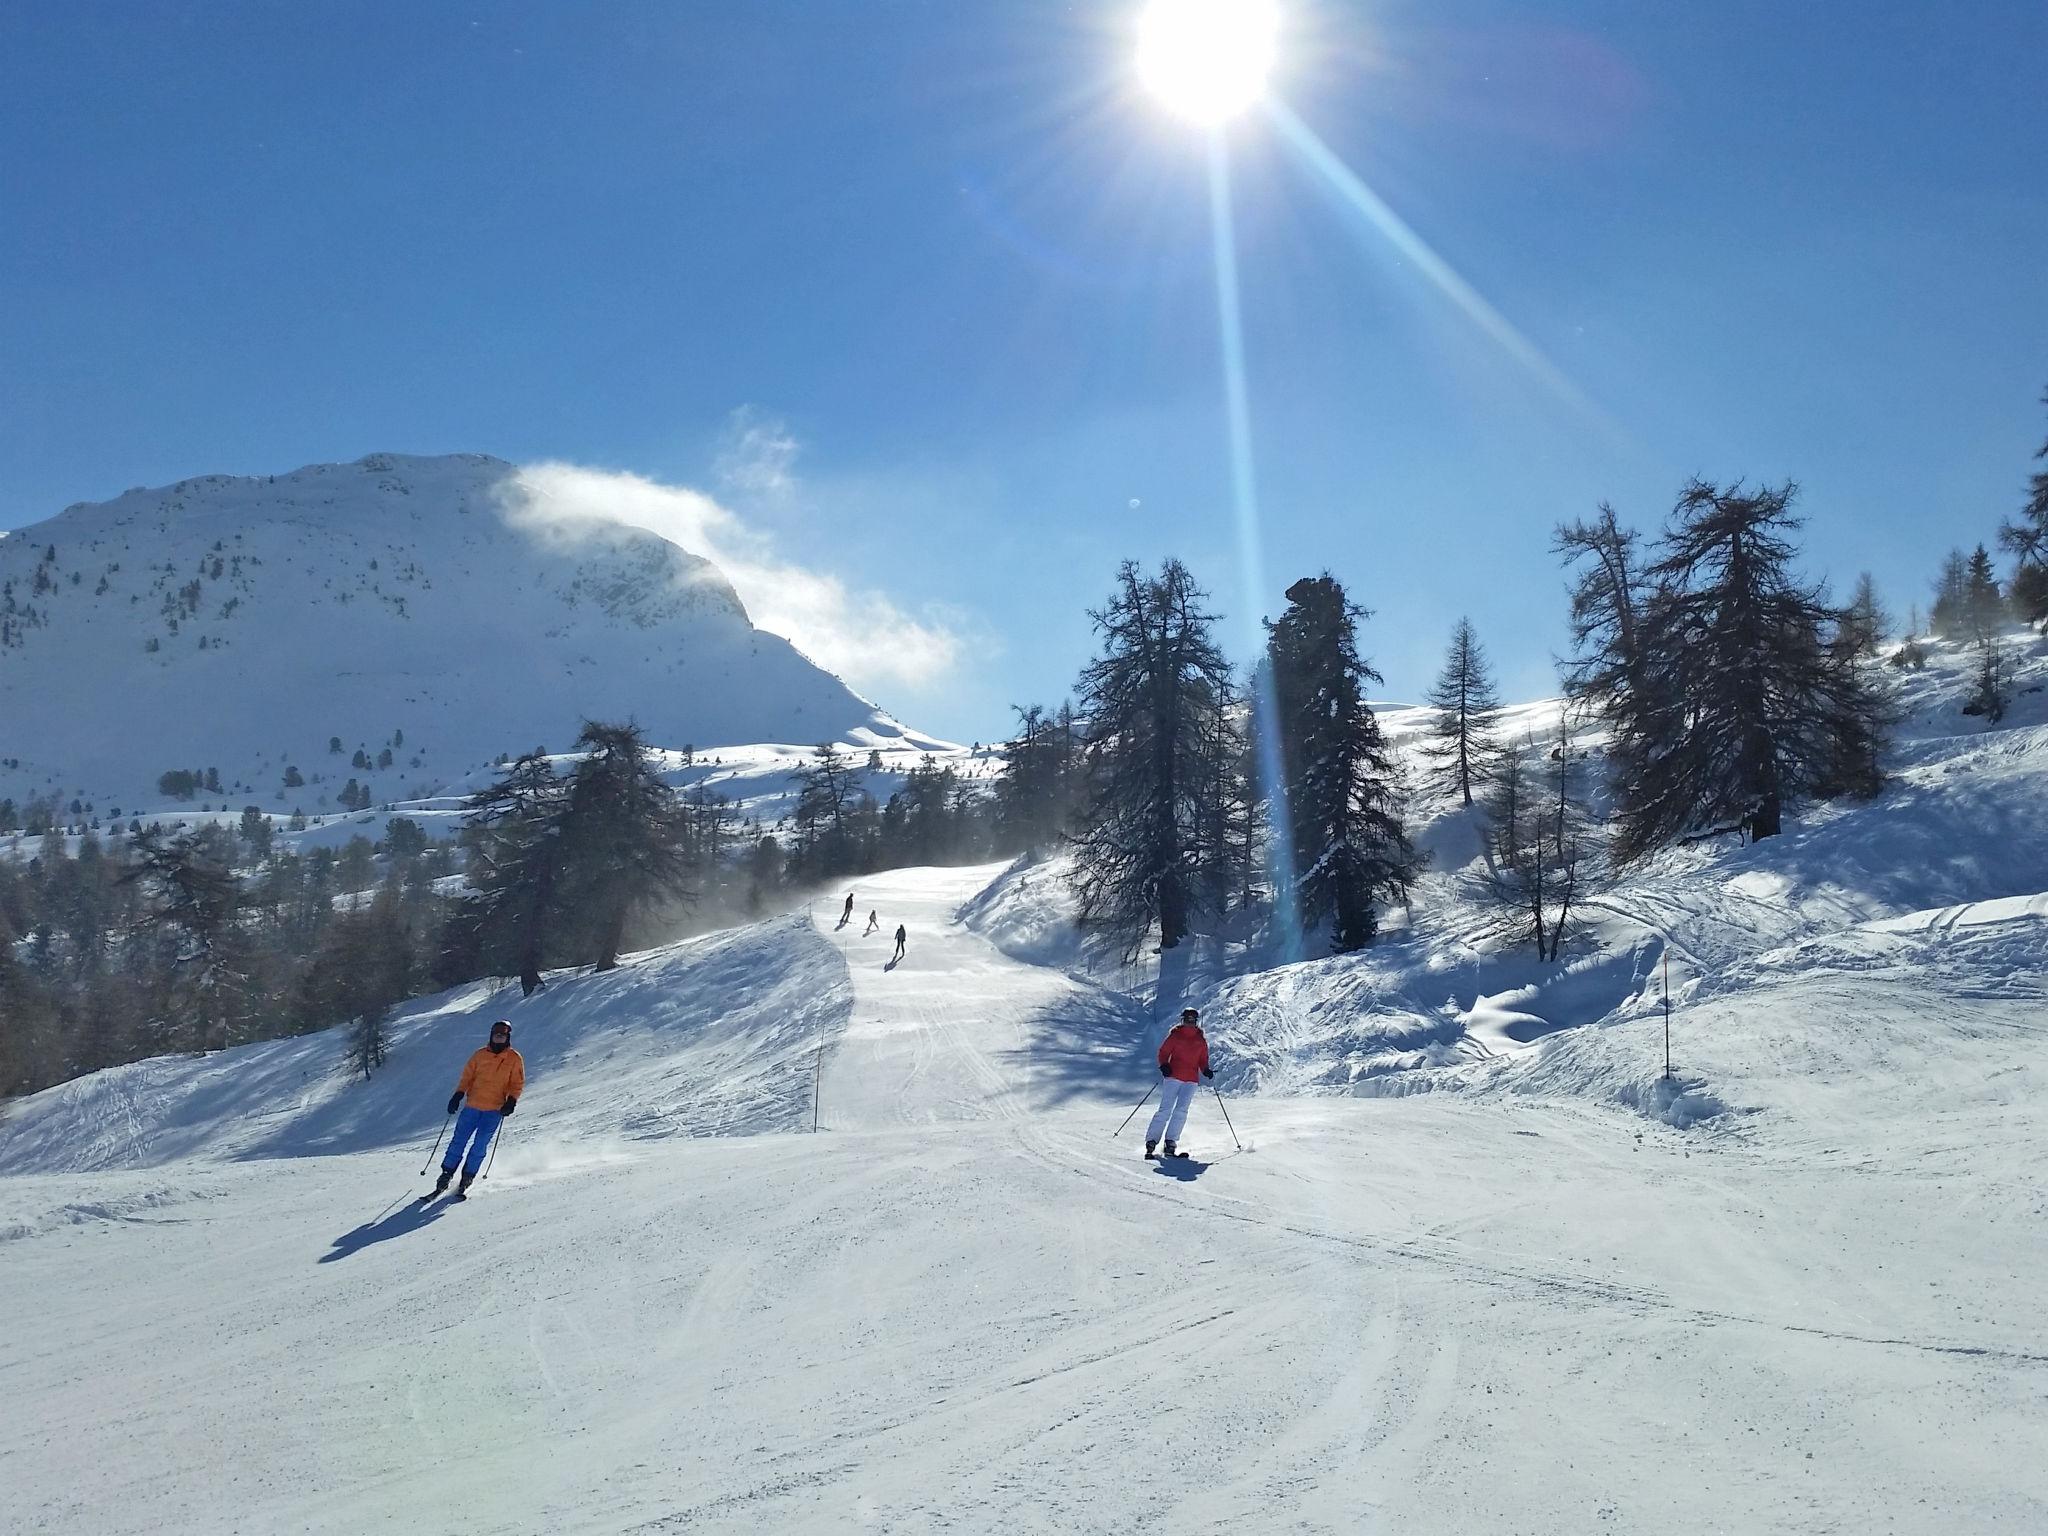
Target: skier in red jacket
[(1182, 1054)]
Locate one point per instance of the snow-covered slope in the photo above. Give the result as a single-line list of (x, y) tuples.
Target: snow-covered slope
[(965, 1305), (1443, 1002), (396, 604)]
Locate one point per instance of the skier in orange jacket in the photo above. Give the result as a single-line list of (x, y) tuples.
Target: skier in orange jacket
[(486, 1093)]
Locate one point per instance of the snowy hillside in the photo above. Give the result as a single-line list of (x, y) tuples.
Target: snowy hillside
[(397, 605), (1953, 855), (1461, 1259)]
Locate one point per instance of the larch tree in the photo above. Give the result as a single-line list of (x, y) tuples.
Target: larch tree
[(627, 835), (1158, 708), (1746, 702), (1464, 746)]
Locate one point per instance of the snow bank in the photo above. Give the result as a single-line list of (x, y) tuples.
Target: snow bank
[(715, 1036)]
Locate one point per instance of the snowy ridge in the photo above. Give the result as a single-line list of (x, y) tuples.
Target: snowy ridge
[(399, 604)]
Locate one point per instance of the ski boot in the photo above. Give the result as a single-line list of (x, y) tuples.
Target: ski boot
[(462, 1189), (441, 1184), (1172, 1151), (1152, 1149)]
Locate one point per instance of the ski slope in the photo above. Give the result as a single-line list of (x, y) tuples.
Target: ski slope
[(963, 1306)]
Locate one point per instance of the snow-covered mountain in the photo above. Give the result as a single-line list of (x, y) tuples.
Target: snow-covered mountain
[(396, 604)]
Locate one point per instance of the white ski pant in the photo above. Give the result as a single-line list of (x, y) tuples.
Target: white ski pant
[(1175, 1098)]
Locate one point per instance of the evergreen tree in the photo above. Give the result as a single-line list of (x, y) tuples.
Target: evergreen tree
[(1951, 610), (1983, 602), (625, 834), (1606, 595), (1742, 701), (517, 872), (1991, 695), (1349, 849), (2027, 540), (1867, 625), (1464, 748), (827, 791), (200, 961), (1159, 745), (1034, 794)]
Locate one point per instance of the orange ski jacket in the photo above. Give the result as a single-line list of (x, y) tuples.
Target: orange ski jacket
[(492, 1077)]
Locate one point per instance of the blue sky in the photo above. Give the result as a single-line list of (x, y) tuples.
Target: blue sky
[(953, 272)]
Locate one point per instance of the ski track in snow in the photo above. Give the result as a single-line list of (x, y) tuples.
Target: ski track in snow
[(965, 1306)]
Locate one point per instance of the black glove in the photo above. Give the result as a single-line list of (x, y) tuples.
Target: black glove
[(454, 1101), (1207, 1073), (508, 1106), (1166, 1071)]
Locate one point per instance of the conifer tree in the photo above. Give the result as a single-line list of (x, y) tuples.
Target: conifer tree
[(200, 959), (2026, 538), (1983, 602), (1950, 613), (1743, 703), (625, 837), (518, 868), (1867, 625), (1463, 745), (1349, 850), (1540, 843), (1160, 744)]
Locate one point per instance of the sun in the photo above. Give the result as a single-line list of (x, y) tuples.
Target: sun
[(1207, 60)]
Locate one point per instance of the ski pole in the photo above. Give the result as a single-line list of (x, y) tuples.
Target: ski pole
[(437, 1143), (1132, 1115), (494, 1146), (1226, 1114)]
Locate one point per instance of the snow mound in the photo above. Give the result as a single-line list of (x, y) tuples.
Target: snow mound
[(715, 1036)]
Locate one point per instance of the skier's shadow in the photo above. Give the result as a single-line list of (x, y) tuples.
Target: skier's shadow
[(893, 963), (409, 1217), (1186, 1169)]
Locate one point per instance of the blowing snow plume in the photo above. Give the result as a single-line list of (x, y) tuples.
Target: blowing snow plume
[(864, 636)]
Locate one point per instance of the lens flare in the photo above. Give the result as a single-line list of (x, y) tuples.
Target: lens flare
[(1207, 60)]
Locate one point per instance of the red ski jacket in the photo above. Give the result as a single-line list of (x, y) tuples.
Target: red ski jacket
[(1184, 1053)]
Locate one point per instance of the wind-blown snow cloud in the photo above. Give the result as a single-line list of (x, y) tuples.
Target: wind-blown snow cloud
[(758, 455), (863, 636)]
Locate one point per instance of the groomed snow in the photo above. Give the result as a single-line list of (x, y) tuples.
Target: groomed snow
[(964, 1306)]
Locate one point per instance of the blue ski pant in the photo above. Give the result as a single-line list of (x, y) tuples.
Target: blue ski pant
[(1175, 1098), (477, 1127)]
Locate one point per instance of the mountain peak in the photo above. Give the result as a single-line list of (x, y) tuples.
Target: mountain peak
[(247, 622)]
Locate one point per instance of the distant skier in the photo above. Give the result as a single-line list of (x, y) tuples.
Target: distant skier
[(874, 922), (1182, 1054), (847, 916), (902, 937), (487, 1092), (529, 980)]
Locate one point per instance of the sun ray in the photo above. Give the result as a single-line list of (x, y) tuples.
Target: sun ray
[(1323, 162), (1251, 564)]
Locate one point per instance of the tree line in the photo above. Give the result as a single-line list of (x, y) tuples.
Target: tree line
[(1723, 689)]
